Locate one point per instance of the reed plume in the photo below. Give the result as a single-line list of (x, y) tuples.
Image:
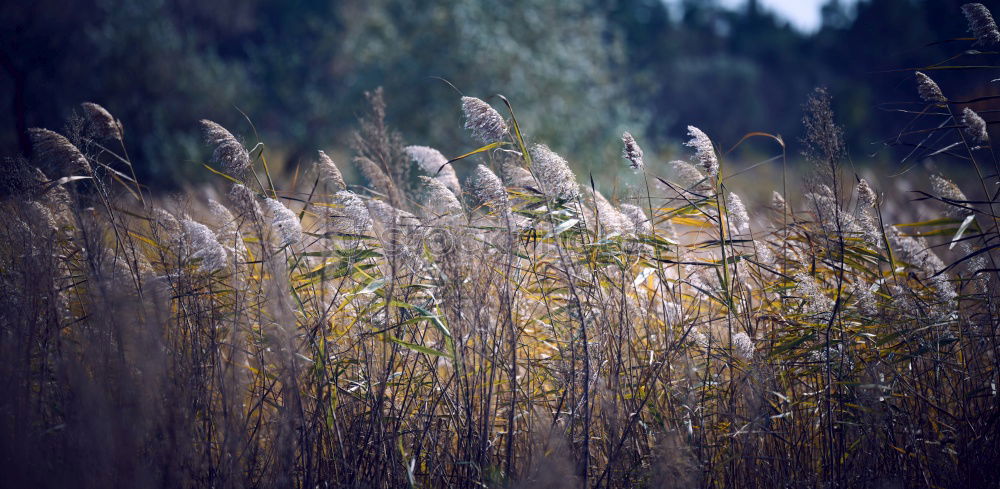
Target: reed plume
[(981, 24), (100, 123), (54, 149), (483, 121), (228, 152), (553, 175)]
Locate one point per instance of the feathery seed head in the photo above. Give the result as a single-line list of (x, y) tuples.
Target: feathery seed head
[(166, 223), (866, 196), (100, 123), (449, 179), (228, 232), (376, 177), (54, 147), (641, 224), (981, 24), (703, 151), (632, 152), (865, 300), (554, 176), (204, 246), (40, 217), (353, 217), (513, 174), (828, 212), (220, 212), (743, 346), (948, 190), (388, 216), (871, 228), (438, 199), (613, 221), (916, 253), (929, 90), (432, 162), (54, 195), (329, 173), (488, 188), (975, 126), (285, 222), (483, 121), (245, 202), (229, 152), (813, 299), (427, 158), (738, 214), (689, 177)]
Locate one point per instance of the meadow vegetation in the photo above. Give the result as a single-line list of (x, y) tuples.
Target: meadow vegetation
[(517, 328)]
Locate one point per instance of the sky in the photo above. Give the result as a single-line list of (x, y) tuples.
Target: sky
[(803, 14)]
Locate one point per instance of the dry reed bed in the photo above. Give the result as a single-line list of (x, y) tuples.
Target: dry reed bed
[(517, 328)]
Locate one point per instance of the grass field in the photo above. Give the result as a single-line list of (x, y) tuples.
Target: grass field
[(513, 329)]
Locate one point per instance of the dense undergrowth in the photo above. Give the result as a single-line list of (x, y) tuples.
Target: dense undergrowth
[(515, 329)]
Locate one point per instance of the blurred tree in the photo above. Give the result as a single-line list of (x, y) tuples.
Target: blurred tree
[(553, 60), (577, 72), (131, 57)]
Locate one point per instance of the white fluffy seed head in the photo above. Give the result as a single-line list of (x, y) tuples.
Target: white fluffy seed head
[(427, 158), (703, 151), (483, 121), (813, 299), (54, 195), (738, 216), (228, 233), (553, 174), (870, 226), (743, 346), (948, 190), (515, 175), (389, 217), (329, 174), (929, 90), (246, 202), (981, 24), (204, 246), (916, 252), (353, 216), (284, 222), (975, 126), (641, 224), (488, 189), (865, 299), (866, 196), (40, 217), (165, 224), (228, 152), (632, 152), (433, 163), (613, 221), (831, 218), (689, 177), (438, 199)]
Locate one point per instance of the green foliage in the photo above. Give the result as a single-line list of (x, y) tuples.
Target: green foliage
[(298, 70)]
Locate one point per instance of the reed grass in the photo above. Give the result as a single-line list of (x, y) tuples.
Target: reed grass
[(525, 332)]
